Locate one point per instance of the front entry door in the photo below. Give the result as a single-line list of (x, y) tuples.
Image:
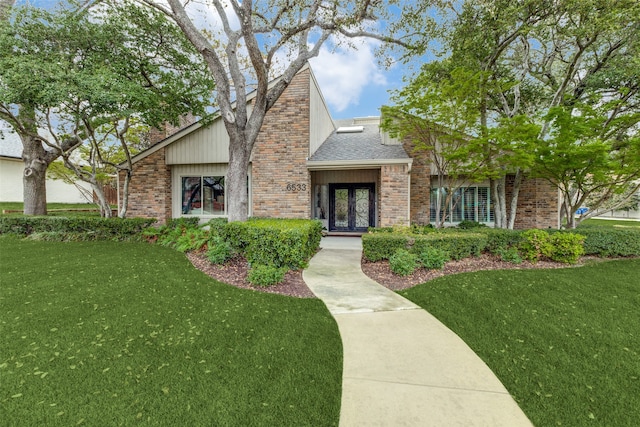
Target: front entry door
[(351, 207)]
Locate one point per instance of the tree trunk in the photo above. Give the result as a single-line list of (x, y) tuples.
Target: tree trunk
[(236, 183), (125, 194), (499, 202), (513, 208), (36, 160), (103, 203)]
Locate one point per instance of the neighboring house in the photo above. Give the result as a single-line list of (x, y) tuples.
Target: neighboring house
[(306, 165), (12, 168)]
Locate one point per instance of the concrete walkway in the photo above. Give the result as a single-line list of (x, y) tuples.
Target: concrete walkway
[(402, 367)]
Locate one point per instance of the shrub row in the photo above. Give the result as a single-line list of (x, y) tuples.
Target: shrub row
[(75, 228), (611, 242), (510, 245), (377, 246), (271, 246)]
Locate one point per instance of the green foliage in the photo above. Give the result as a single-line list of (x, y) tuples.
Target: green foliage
[(93, 228), (282, 242), (610, 242), (535, 245), (458, 244), (567, 247), (219, 251), (266, 275), (433, 258), (501, 239), (403, 263), (381, 245), (509, 254), (470, 225), (192, 239)]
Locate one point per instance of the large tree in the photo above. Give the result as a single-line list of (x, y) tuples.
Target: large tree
[(531, 58), (91, 73), (248, 47)]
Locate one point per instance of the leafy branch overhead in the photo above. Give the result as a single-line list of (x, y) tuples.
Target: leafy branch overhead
[(253, 42)]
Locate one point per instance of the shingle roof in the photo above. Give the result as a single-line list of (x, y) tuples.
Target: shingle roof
[(10, 144), (353, 146)]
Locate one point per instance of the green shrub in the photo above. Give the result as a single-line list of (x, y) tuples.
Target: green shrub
[(378, 246), (567, 247), (509, 254), (183, 222), (96, 228), (610, 242), (266, 275), (281, 242), (219, 251), (192, 239), (217, 226), (403, 263), (535, 245), (470, 225), (433, 258), (457, 244), (236, 234), (499, 239)]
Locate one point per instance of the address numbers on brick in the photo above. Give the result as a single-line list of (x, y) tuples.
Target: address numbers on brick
[(296, 187)]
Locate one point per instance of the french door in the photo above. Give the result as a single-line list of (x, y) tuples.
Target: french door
[(351, 207)]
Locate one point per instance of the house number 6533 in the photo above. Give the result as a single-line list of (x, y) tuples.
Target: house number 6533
[(296, 187)]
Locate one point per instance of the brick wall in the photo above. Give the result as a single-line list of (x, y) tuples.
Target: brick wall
[(394, 194), (280, 153), (150, 188), (420, 184), (537, 204)]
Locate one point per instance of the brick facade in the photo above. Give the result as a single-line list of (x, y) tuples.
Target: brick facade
[(538, 204), (150, 188), (394, 195), (420, 184), (281, 182)]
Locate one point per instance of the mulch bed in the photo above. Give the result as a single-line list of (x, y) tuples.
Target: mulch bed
[(235, 271)]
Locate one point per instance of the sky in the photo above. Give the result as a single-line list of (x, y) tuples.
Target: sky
[(352, 81)]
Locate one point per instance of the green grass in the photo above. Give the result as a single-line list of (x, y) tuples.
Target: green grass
[(105, 333), (53, 209), (564, 342), (610, 223)]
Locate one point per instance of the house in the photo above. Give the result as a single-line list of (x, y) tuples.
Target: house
[(347, 174), (12, 169)]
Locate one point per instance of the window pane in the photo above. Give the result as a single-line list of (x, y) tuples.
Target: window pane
[(470, 203), (483, 204), (456, 205), (434, 203), (214, 195), (191, 195)]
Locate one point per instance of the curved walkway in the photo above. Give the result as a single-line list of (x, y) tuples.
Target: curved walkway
[(402, 367)]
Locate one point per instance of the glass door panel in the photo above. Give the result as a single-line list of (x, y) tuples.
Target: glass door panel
[(341, 208), (362, 208)]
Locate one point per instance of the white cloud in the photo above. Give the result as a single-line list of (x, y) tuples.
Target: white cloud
[(344, 72)]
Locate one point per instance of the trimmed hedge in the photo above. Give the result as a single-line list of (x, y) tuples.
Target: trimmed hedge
[(278, 242), (610, 242), (81, 228), (458, 245)]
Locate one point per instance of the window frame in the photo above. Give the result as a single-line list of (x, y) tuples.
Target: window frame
[(461, 207), (201, 212)]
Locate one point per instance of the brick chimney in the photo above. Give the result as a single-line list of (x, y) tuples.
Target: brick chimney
[(167, 129)]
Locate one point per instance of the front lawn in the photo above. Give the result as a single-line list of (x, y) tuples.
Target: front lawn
[(565, 343), (105, 333), (53, 209)]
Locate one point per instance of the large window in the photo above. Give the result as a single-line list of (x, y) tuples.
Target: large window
[(466, 203), (203, 195)]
